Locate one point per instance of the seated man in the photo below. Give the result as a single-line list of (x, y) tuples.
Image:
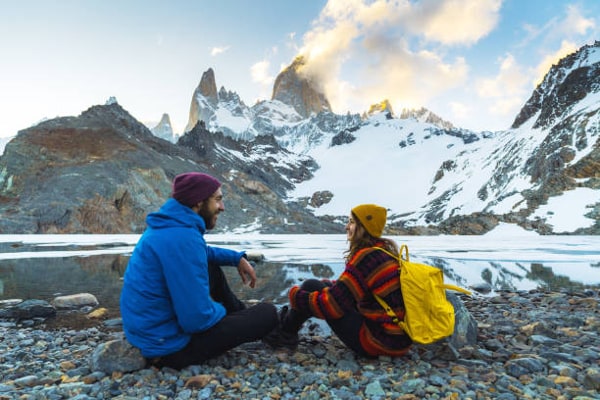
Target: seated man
[(176, 304)]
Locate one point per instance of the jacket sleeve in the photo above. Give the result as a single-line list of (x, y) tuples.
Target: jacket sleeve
[(331, 302), (224, 257), (351, 291)]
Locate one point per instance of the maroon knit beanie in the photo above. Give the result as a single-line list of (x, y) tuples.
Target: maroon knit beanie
[(191, 188)]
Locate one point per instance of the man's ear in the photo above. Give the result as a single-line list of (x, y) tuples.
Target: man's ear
[(197, 207)]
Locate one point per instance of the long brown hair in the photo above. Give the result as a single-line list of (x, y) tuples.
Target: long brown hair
[(362, 239)]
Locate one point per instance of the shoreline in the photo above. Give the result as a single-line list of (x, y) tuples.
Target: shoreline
[(530, 344)]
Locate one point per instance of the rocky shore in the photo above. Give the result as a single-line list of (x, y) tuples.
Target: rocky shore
[(528, 345)]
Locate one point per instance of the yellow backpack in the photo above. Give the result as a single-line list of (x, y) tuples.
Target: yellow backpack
[(429, 316)]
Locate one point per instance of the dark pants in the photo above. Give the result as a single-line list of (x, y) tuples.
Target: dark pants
[(240, 325), (346, 328)]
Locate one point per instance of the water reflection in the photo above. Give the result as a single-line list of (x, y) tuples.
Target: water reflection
[(43, 270), (101, 275), (46, 278)]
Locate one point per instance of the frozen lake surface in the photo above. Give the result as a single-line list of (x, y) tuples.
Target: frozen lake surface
[(41, 266)]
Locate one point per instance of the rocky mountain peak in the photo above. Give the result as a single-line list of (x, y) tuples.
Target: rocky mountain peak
[(293, 87), (381, 107), (208, 86), (424, 115), (164, 129), (568, 82), (165, 120), (204, 100)]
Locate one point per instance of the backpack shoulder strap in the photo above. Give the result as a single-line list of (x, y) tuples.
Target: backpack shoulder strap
[(456, 288), (388, 310), (403, 254)]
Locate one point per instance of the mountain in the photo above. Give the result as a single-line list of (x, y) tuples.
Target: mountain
[(103, 171), (291, 165), (289, 116), (435, 177), (424, 115), (164, 130), (295, 88)]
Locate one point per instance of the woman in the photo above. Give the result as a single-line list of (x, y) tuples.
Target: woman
[(348, 304)]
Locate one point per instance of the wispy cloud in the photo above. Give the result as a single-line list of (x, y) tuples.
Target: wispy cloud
[(260, 74), (576, 23), (509, 81), (215, 51), (438, 20)]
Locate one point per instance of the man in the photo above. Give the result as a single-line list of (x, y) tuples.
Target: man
[(176, 304)]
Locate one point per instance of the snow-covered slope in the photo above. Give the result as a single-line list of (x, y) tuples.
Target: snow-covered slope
[(392, 162)]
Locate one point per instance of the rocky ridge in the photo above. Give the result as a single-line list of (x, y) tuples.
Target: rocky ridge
[(104, 171)]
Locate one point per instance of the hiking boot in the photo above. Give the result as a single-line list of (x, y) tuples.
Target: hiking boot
[(280, 338)]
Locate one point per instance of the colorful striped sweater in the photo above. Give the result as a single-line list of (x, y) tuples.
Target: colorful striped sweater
[(369, 271)]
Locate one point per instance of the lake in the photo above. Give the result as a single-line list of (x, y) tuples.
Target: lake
[(44, 266)]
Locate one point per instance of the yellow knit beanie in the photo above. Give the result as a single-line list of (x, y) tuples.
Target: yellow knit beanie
[(372, 217)]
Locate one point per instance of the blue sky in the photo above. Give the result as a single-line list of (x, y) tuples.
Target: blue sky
[(472, 62)]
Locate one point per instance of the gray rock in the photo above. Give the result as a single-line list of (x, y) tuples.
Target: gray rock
[(525, 365), (29, 309), (116, 356), (465, 326), (482, 287), (592, 379), (75, 300)]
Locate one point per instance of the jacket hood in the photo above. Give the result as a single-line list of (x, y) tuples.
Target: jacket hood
[(174, 214)]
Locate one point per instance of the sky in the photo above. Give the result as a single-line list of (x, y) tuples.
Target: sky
[(472, 62)]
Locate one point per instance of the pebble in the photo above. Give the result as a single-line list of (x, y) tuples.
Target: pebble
[(529, 345)]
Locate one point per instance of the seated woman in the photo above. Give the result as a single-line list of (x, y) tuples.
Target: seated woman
[(348, 303)]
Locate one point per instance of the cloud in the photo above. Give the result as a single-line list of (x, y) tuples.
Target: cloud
[(502, 95), (260, 74), (510, 80), (215, 51), (459, 110), (392, 50), (438, 20), (575, 23)]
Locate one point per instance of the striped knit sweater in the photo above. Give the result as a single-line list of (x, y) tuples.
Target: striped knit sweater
[(369, 271)]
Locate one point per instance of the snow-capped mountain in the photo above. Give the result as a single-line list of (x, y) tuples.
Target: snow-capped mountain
[(427, 172), (164, 129), (224, 111)]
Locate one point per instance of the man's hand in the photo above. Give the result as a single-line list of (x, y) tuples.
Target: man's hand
[(246, 271)]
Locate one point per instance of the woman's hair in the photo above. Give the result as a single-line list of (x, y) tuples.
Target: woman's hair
[(362, 239)]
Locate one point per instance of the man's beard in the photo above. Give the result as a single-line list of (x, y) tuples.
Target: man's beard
[(210, 219)]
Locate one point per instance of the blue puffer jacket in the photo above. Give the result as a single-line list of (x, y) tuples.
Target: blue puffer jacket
[(165, 296)]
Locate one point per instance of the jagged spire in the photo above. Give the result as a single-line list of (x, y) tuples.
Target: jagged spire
[(294, 88)]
